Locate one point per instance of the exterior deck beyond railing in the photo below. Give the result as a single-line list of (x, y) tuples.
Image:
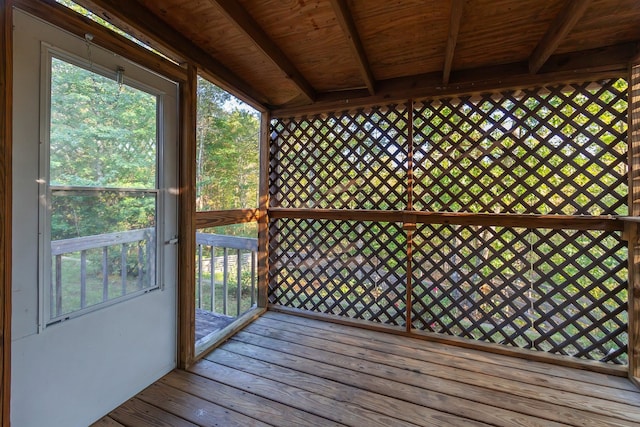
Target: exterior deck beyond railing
[(134, 265), (93, 270), (225, 273)]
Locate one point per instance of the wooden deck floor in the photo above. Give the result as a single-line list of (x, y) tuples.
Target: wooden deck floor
[(284, 370), (208, 322)]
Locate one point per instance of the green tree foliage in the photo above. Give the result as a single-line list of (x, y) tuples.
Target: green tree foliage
[(227, 156), (102, 136)]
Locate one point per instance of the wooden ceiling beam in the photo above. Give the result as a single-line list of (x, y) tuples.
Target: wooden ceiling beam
[(559, 28), (74, 23), (457, 6), (345, 20), (135, 15), (245, 22), (593, 64)]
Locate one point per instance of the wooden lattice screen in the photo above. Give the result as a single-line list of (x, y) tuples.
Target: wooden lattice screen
[(561, 291), (560, 150), (356, 160), (349, 268), (557, 150)]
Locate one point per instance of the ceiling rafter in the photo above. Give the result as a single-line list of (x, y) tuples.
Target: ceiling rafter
[(134, 15), (345, 20), (243, 20), (605, 62), (457, 7), (557, 31)]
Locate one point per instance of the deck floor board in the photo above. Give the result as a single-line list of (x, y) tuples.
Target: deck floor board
[(284, 370), (107, 421), (494, 380), (395, 354), (547, 370), (136, 412)]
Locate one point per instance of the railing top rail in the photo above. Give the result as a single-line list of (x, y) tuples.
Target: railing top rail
[(223, 241), (59, 247)]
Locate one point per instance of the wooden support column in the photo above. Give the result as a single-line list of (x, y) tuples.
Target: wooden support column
[(632, 228), (409, 221), (6, 91), (187, 222), (263, 218)]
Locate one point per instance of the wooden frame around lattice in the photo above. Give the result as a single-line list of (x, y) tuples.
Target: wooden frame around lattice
[(559, 150)]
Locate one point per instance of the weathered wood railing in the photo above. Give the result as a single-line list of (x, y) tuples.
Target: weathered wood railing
[(122, 240), (245, 249)]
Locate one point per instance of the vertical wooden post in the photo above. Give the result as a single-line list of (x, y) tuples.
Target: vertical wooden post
[(410, 150), (6, 93), (263, 205), (409, 229), (632, 229), (409, 226), (187, 224)]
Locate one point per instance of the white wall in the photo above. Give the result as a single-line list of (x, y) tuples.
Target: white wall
[(72, 373)]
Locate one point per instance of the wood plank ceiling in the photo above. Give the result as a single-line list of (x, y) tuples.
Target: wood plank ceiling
[(289, 54)]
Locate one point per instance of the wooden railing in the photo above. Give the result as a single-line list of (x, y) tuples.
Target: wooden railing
[(244, 257), (550, 283), (144, 238)]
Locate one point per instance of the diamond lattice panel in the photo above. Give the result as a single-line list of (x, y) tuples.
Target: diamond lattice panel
[(471, 282), (558, 291), (581, 282), (560, 150), (353, 160), (348, 268)]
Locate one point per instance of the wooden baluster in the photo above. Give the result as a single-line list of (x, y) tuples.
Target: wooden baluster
[(83, 279), (238, 282), (105, 274), (225, 281), (151, 258), (199, 282), (140, 264), (212, 268), (254, 255), (58, 285), (123, 267)]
